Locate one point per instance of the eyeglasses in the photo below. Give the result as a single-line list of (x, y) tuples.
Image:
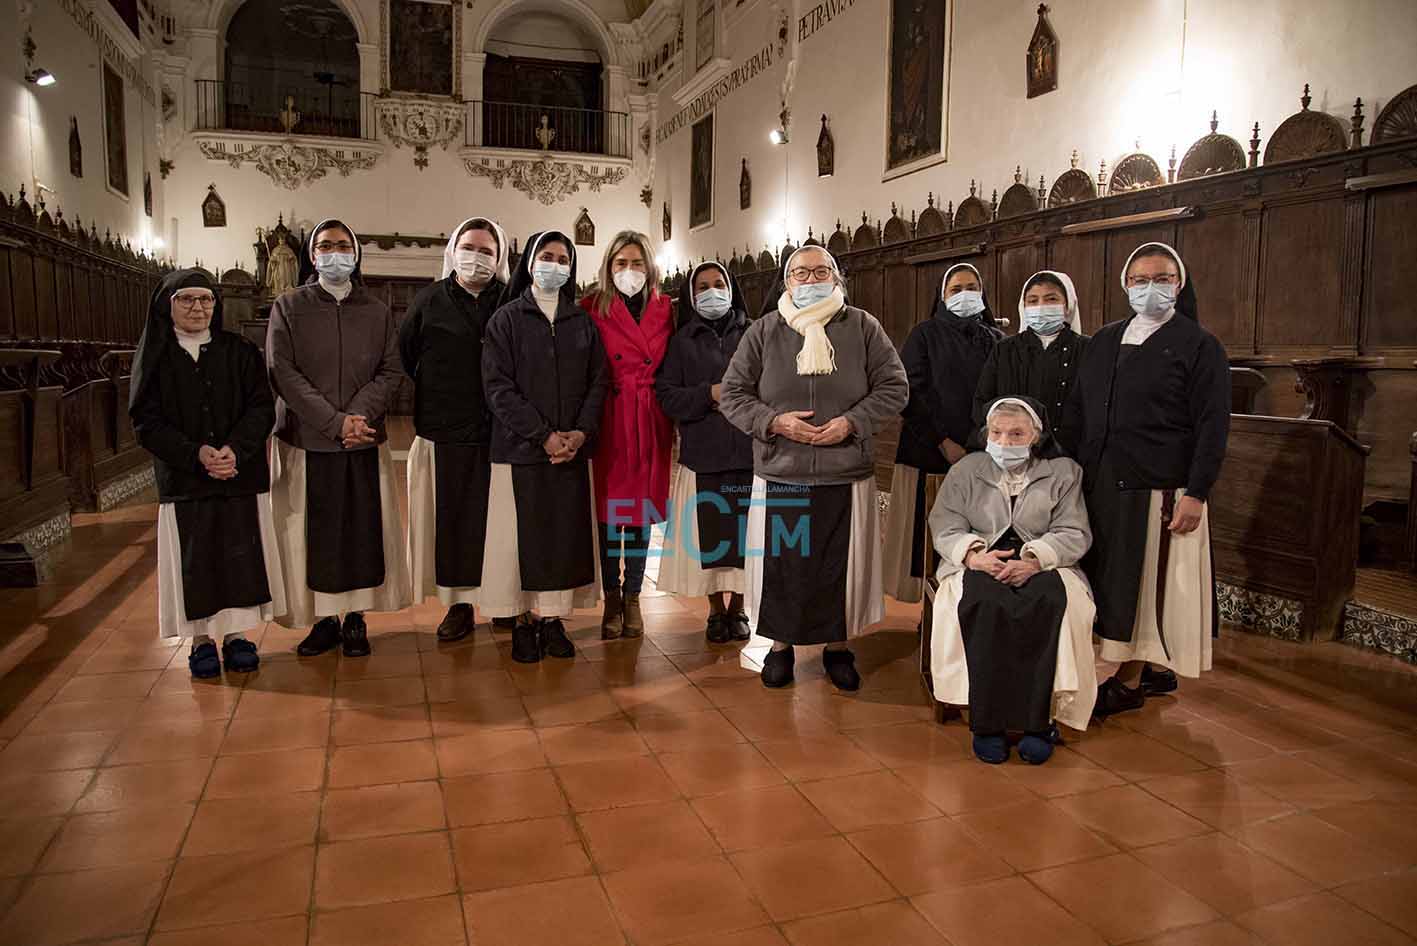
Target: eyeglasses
[(341, 247), (1165, 279), (802, 273), (206, 300)]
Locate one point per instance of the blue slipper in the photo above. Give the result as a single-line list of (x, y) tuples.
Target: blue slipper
[(240, 655), (1035, 748), (991, 749), (203, 661)]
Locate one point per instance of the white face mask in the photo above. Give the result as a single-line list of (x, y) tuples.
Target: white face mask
[(474, 267), (965, 305), (713, 304), (1152, 301), (335, 267), (1044, 319), (1006, 456), (548, 275), (629, 281), (811, 293)]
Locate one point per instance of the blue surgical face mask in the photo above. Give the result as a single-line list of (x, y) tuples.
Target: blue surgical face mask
[(810, 293), (713, 304), (965, 305), (1044, 319), (335, 267), (1152, 301), (1006, 456), (548, 275)]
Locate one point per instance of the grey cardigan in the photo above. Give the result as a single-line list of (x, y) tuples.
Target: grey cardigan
[(1049, 515), (868, 388)]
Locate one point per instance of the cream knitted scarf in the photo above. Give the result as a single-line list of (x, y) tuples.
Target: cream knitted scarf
[(817, 355)]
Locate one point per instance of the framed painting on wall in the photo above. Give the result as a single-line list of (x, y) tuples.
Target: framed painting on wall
[(115, 131), (917, 86), (701, 174), (419, 56), (705, 33)]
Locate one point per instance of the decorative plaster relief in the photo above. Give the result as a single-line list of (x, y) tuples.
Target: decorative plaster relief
[(420, 124), (542, 178), (288, 163)]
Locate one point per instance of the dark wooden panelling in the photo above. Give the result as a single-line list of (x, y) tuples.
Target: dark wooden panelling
[(1386, 418), (12, 444), (1081, 258), (1300, 271), (1016, 264), (898, 313), (1390, 307), (22, 290), (7, 302), (1218, 269), (46, 309)]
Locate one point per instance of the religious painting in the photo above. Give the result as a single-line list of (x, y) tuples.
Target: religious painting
[(76, 149), (701, 173), (826, 151), (915, 114), (1042, 56), (585, 229), (705, 33), (115, 129), (421, 46), (213, 209), (148, 193), (745, 188), (667, 225)]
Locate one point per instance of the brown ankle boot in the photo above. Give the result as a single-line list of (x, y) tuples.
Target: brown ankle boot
[(612, 622), (634, 621)]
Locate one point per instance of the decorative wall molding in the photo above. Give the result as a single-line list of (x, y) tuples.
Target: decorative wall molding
[(289, 162), (1261, 613), (545, 178), (420, 124)]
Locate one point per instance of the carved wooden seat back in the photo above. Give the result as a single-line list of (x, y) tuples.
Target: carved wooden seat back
[(1212, 154), (1305, 134)]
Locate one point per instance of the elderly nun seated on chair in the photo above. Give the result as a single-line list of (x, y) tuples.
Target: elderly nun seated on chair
[(1012, 636)]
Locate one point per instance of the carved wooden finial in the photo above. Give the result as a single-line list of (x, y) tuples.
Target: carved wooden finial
[(894, 212), (1214, 121), (864, 219), (838, 224), (930, 199), (1171, 167), (1255, 147), (994, 204), (1073, 161), (912, 220), (809, 233), (1306, 98), (1042, 9), (1018, 173), (971, 187), (1042, 189), (1357, 123), (1101, 177)]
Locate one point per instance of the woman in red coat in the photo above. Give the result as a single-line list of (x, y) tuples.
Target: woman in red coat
[(631, 461)]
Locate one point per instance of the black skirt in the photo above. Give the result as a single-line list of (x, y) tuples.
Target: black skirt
[(344, 530), (722, 525), (555, 538), (1114, 563), (223, 562), (806, 544), (1011, 647), (462, 479)]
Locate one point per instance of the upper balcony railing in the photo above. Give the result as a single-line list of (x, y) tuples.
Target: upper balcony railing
[(548, 128), (332, 112)]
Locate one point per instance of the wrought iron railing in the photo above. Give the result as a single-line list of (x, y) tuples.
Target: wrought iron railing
[(333, 111), (548, 128)]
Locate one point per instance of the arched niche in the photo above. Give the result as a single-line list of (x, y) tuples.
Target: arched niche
[(575, 10)]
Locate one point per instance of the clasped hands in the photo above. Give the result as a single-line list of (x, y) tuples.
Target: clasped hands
[(793, 425), (219, 464), (562, 445), (356, 432), (1015, 571)]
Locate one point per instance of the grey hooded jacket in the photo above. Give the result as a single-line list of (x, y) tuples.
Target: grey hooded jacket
[(868, 388)]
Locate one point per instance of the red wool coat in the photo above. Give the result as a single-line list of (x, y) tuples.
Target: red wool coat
[(631, 459)]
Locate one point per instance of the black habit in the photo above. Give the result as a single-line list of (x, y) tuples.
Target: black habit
[(1021, 366)]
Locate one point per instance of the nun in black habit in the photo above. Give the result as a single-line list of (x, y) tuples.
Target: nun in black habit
[(544, 374), (1041, 361), (943, 358), (711, 484), (332, 356), (449, 471), (201, 406), (1152, 415)]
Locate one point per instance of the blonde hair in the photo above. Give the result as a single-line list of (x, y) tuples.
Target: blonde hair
[(605, 297)]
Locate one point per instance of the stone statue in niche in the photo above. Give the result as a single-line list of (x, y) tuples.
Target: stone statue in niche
[(1042, 56), (668, 225), (76, 149), (282, 269), (585, 229), (148, 193), (277, 262), (745, 188), (826, 151), (213, 209)]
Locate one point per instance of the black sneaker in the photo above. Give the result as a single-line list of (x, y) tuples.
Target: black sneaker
[(1158, 682), (738, 626), (717, 630), (203, 661), (841, 668), (356, 635), (777, 668), (526, 649), (323, 637), (240, 655), (554, 642), (1114, 696), (459, 622)]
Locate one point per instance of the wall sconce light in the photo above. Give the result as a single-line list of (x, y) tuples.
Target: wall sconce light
[(40, 77), (33, 75), (778, 136)]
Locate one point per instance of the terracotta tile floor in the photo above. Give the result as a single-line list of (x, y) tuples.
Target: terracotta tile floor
[(652, 792)]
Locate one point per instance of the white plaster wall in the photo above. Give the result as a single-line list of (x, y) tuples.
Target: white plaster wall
[(34, 136), (1121, 77)]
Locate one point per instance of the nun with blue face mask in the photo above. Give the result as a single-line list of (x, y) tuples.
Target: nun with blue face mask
[(545, 376), (1041, 361), (943, 358)]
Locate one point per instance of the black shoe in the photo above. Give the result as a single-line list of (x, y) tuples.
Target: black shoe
[(1158, 682), (240, 655), (554, 642), (841, 668), (323, 637), (718, 630), (777, 668), (355, 635), (526, 649), (203, 661), (1114, 696), (505, 624), (738, 626), (459, 622)]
